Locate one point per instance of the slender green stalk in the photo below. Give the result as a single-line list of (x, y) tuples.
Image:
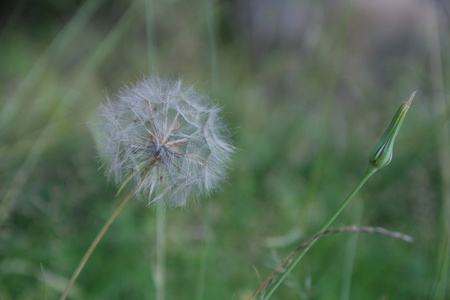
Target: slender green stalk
[(95, 242), (45, 282), (438, 84), (213, 65), (212, 42), (370, 171), (335, 52), (160, 250), (444, 261), (149, 29), (206, 249), (350, 256)]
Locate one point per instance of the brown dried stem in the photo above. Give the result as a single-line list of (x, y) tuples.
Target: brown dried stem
[(287, 260)]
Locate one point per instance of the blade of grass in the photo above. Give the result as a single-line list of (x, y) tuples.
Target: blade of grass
[(349, 259), (102, 52), (336, 51), (441, 108), (212, 42), (44, 281), (201, 282), (57, 48), (150, 36)]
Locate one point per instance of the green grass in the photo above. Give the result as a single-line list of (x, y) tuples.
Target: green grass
[(304, 121)]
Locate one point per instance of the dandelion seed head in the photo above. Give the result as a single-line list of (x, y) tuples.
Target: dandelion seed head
[(166, 138)]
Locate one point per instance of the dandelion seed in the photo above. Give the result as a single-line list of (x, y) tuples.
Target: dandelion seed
[(166, 138)]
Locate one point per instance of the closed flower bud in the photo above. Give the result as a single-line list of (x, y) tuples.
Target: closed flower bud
[(381, 154), (166, 138)]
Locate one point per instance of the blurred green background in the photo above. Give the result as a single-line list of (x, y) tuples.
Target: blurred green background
[(308, 87)]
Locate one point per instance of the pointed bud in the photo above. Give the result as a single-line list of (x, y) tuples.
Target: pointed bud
[(381, 154)]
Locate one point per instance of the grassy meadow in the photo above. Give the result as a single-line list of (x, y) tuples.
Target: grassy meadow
[(307, 88)]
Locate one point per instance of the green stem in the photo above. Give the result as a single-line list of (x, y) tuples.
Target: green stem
[(212, 42), (160, 250), (370, 171), (350, 256), (95, 242), (45, 282), (150, 33), (443, 259), (206, 249)]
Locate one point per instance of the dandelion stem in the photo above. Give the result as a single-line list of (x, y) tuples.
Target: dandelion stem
[(370, 171), (160, 250), (95, 242), (205, 254)]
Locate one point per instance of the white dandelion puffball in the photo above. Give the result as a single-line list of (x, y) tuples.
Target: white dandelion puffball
[(166, 138)]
